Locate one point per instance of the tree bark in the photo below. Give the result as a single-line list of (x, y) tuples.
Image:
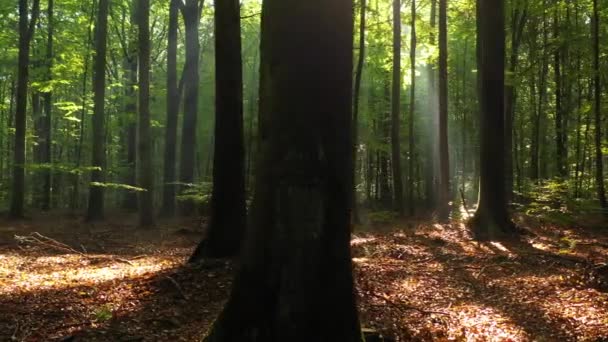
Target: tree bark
[(95, 211), (444, 156), (46, 148), (356, 97), (190, 12), (228, 208), (396, 111), (145, 177), (599, 163), (295, 282), (492, 219), (412, 138), (173, 101), (26, 32)]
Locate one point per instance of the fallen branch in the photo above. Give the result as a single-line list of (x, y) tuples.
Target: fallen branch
[(179, 288), (403, 306)]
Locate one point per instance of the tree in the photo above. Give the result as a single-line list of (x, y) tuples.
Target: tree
[(444, 156), (228, 208), (96, 190), (295, 282), (145, 178), (599, 163), (396, 110), (491, 219), (26, 32), (412, 138), (356, 100), (191, 14), (46, 141), (173, 100)]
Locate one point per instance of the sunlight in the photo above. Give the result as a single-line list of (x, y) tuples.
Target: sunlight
[(52, 272), (480, 322)]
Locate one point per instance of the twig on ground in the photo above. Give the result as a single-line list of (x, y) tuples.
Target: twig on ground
[(179, 288), (403, 306)]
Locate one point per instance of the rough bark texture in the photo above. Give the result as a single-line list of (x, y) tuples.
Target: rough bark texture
[(491, 219), (95, 210), (228, 208), (173, 100), (295, 282), (396, 111), (444, 155), (26, 32), (145, 177), (191, 85)]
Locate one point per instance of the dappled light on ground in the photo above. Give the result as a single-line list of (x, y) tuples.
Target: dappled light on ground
[(415, 281)]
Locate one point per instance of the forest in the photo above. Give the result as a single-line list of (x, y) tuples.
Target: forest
[(303, 170)]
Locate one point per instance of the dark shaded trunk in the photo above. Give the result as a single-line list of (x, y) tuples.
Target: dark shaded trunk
[(559, 124), (228, 208), (295, 282), (412, 138), (173, 101), (444, 156), (45, 149), (492, 219), (396, 111), (190, 13), (145, 177), (356, 97), (95, 209), (599, 163), (26, 32)]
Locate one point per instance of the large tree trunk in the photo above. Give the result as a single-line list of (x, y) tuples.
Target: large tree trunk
[(173, 100), (444, 156), (96, 192), (559, 121), (295, 282), (26, 32), (145, 177), (432, 174), (228, 208), (599, 163), (491, 219), (356, 97), (190, 13), (396, 111)]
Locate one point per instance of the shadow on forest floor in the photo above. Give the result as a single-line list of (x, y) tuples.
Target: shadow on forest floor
[(421, 282)]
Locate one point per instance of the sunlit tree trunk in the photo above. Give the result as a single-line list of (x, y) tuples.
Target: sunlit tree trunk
[(295, 282), (46, 138), (412, 138), (95, 210), (228, 208)]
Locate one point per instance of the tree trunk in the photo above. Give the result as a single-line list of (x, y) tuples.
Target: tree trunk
[(295, 282), (228, 208), (559, 131), (444, 157), (173, 101), (356, 97), (599, 163), (396, 111), (145, 177), (432, 174), (491, 219), (190, 13), (46, 148), (412, 140), (26, 32), (95, 209)]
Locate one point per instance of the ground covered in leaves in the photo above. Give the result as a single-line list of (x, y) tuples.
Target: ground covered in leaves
[(62, 279)]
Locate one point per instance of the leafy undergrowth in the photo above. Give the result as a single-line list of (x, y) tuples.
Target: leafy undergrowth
[(424, 282)]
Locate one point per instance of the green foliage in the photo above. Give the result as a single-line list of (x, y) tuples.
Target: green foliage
[(118, 186), (199, 193), (103, 313), (382, 217)]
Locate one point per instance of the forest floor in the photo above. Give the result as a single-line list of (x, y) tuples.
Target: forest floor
[(416, 281)]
